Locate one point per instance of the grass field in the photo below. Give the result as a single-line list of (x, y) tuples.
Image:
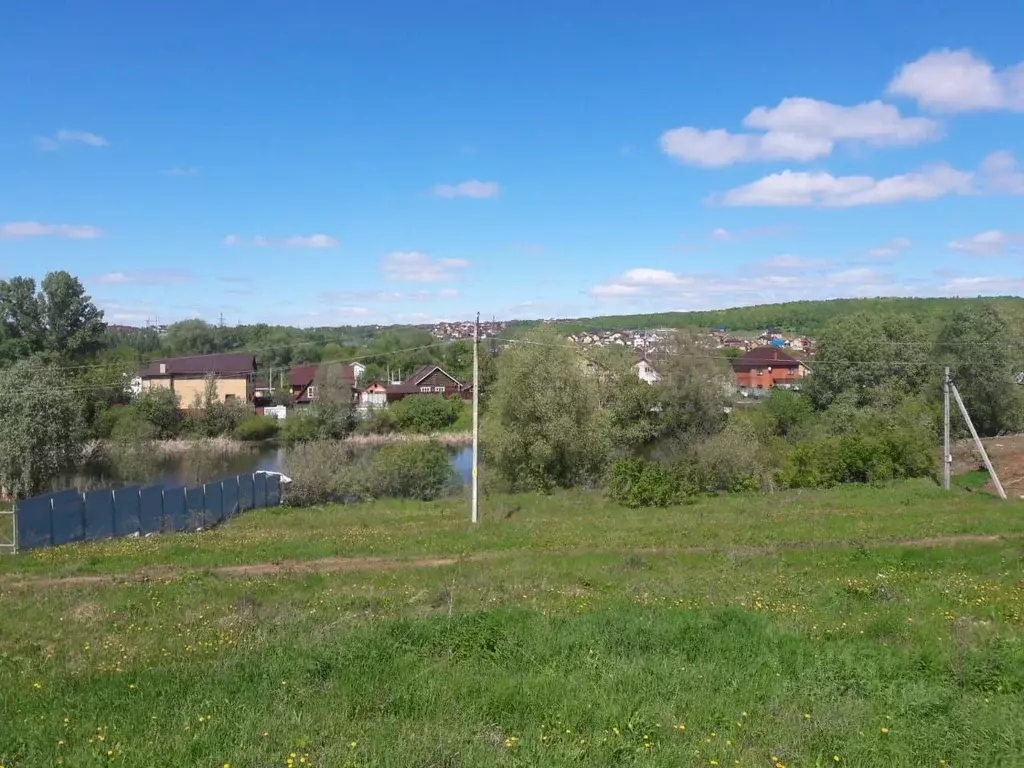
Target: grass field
[(860, 626)]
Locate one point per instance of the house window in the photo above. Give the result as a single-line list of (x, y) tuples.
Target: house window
[(425, 389), (439, 389), (760, 371), (311, 392), (792, 371), (228, 398)]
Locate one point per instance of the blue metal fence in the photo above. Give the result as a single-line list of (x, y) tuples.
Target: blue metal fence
[(69, 516)]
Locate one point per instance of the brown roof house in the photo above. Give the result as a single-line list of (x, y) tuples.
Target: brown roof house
[(429, 380), (767, 367), (186, 376), (302, 379)]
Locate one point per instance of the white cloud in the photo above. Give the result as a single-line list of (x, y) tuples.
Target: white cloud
[(416, 267), (890, 250), (977, 286), (958, 81), (182, 172), (145, 277), (295, 241), (14, 230), (448, 293), (471, 188), (310, 241), (872, 122), (51, 143), (990, 243), (790, 261), (718, 148), (1001, 174), (721, 234), (821, 189), (797, 129), (704, 290)]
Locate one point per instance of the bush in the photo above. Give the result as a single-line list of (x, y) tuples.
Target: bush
[(258, 428), (159, 407), (640, 483), (378, 421), (323, 471), (426, 414), (732, 460), (299, 428), (410, 471)]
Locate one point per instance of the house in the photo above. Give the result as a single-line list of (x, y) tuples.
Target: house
[(234, 374), (767, 367), (429, 380), (302, 380), (373, 395), (644, 368)]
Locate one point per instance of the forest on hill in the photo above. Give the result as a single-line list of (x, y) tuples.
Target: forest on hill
[(797, 317)]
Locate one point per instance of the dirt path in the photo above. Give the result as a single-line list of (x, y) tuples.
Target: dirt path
[(351, 564)]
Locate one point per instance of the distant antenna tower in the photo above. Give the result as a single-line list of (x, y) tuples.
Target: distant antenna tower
[(221, 319)]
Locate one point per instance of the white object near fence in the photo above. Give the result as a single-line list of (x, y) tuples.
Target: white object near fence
[(277, 411)]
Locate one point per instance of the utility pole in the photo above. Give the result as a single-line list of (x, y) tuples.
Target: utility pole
[(946, 458), (475, 511), (977, 442)]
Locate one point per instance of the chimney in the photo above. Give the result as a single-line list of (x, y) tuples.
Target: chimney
[(775, 354)]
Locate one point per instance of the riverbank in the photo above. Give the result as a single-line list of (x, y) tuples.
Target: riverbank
[(229, 446)]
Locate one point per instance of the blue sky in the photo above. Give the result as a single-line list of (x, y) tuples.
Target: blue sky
[(328, 163)]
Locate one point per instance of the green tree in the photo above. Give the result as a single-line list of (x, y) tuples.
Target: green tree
[(870, 356), (977, 344), (692, 392), (544, 427), (425, 413), (160, 407), (59, 321), (41, 434), (191, 337), (635, 418), (333, 408)]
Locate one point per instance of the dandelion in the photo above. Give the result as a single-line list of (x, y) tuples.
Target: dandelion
[(836, 758), (807, 715), (37, 686), (352, 745), (884, 730)]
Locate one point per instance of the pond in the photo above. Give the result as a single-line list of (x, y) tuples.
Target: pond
[(174, 471)]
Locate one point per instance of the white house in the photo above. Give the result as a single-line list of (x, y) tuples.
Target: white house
[(645, 370)]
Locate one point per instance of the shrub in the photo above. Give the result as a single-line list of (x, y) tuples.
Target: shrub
[(159, 407), (323, 471), (258, 428), (410, 471), (425, 414), (732, 460), (378, 421), (299, 428), (641, 483)]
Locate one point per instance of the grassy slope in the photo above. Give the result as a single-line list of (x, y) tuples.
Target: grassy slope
[(571, 643)]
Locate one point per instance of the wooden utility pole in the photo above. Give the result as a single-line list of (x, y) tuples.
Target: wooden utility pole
[(946, 457), (977, 441), (475, 511)]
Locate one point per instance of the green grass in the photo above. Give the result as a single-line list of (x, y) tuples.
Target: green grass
[(586, 636)]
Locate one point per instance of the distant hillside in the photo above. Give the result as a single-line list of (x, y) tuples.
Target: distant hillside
[(802, 317)]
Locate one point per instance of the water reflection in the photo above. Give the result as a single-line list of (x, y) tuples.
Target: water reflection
[(175, 471)]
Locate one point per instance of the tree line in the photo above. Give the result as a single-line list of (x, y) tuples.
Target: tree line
[(870, 411)]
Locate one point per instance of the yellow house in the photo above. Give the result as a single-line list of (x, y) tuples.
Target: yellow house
[(186, 376)]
